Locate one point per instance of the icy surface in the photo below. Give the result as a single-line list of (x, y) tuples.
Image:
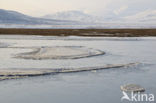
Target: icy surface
[(101, 86), (132, 88), (60, 52), (12, 73), (3, 45)]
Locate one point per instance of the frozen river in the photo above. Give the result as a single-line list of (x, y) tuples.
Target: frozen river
[(102, 86)]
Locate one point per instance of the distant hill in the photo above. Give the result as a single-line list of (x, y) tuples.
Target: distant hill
[(144, 16), (74, 16), (13, 17), (140, 17), (78, 19)]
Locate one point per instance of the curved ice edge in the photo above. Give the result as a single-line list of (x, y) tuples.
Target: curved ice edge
[(4, 45), (6, 74), (36, 52)]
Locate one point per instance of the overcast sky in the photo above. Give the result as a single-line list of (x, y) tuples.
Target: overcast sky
[(95, 7)]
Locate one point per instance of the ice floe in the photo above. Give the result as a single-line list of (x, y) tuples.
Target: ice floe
[(22, 73), (60, 52)]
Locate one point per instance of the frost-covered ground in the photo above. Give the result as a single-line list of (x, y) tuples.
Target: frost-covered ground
[(101, 86)]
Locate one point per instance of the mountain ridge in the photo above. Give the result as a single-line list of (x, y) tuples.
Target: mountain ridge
[(13, 17), (145, 16)]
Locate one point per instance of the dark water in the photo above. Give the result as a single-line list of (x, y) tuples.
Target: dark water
[(85, 87)]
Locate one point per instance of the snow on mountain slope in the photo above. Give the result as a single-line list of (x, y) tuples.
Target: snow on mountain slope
[(13, 17), (78, 19), (145, 16), (73, 15)]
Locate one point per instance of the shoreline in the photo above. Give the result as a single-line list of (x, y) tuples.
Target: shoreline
[(81, 32)]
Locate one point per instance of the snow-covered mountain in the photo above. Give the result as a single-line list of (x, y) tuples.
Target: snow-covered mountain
[(85, 17), (78, 19), (74, 16), (13, 17), (148, 16), (144, 16)]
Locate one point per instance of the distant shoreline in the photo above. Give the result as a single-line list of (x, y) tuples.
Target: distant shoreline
[(81, 32)]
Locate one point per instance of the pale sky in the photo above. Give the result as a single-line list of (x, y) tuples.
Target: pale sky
[(95, 7)]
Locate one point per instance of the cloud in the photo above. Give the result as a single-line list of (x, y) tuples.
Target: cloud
[(120, 10), (42, 7), (94, 7)]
